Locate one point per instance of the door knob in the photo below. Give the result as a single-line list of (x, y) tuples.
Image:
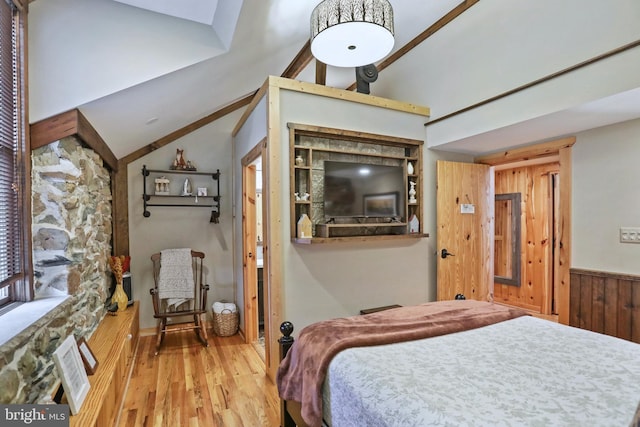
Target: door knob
[(444, 253)]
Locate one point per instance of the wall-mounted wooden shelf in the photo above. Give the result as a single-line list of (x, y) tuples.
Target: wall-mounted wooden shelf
[(368, 230), (352, 239), (178, 200)]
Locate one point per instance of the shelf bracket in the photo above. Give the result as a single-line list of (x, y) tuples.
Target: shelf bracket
[(145, 197), (215, 213)]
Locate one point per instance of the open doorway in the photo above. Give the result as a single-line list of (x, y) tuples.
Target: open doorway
[(553, 162), (525, 234), (260, 342), (255, 294)]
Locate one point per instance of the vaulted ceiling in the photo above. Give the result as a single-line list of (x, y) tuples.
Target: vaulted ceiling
[(140, 70)]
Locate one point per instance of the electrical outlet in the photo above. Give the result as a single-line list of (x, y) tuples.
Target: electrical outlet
[(630, 234)]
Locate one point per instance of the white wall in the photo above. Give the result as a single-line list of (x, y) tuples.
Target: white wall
[(333, 280), (498, 45), (606, 196), (209, 148)]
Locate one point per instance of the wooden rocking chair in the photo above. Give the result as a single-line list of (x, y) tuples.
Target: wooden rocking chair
[(197, 307)]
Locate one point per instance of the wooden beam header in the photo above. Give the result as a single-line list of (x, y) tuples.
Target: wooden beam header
[(67, 124), (536, 151)]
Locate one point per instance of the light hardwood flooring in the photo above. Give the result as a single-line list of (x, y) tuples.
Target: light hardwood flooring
[(550, 317), (187, 384)]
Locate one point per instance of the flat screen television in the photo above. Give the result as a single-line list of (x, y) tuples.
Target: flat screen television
[(362, 190)]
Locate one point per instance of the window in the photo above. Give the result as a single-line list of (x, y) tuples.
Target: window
[(15, 245)]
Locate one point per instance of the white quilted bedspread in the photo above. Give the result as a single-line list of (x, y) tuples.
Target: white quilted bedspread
[(522, 372)]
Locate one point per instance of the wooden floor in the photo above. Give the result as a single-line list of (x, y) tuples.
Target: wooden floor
[(189, 385), (550, 317)]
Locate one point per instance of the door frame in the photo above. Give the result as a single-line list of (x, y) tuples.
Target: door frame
[(250, 290), (545, 217), (562, 148)]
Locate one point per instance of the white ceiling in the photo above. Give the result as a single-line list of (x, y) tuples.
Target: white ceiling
[(142, 69), (602, 112), (136, 84), (201, 11)]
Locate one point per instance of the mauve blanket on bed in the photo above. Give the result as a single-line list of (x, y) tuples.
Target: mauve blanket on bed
[(301, 374)]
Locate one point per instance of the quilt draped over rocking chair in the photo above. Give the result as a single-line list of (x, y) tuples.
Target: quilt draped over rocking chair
[(179, 294)]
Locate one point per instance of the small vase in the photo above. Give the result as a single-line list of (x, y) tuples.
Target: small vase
[(120, 297), (410, 168)]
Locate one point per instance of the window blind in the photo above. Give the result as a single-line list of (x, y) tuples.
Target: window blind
[(10, 214)]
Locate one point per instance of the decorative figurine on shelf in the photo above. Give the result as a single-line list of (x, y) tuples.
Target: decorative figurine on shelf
[(303, 198), (414, 224), (162, 186), (179, 163), (304, 227), (119, 297), (410, 168), (186, 188), (412, 192), (299, 160)]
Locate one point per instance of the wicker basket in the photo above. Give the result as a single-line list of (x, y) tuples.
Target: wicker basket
[(225, 323)]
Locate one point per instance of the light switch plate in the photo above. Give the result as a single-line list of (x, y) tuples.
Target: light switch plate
[(629, 234), (467, 208)]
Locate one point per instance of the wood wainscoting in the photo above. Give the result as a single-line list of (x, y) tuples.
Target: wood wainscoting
[(607, 303)]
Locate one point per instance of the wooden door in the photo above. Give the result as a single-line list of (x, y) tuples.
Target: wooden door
[(465, 208), (249, 265)]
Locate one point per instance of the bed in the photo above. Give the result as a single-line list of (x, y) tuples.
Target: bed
[(456, 363)]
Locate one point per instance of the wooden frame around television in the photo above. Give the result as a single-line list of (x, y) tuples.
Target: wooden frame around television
[(311, 145)]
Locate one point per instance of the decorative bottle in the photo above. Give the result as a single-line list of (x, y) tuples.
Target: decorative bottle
[(410, 168), (119, 295), (186, 188)]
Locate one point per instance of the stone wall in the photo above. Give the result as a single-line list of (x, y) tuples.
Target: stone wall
[(71, 206)]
